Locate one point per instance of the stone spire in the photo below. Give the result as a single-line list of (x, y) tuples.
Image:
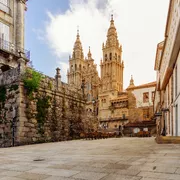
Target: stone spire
[(131, 81), (78, 50), (131, 84), (89, 54), (112, 38)]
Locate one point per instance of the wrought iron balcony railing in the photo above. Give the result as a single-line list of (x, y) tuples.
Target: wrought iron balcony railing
[(10, 47), (5, 8)]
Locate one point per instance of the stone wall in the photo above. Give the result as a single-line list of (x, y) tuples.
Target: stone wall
[(53, 113)]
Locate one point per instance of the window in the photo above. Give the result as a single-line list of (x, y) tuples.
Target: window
[(4, 6), (119, 58), (115, 56), (145, 97), (145, 114), (4, 36), (152, 96), (105, 57), (88, 85), (110, 56)]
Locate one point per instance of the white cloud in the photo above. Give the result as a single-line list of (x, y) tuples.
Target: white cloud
[(140, 25)]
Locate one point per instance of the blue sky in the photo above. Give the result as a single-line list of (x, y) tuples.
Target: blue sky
[(36, 17), (51, 27)]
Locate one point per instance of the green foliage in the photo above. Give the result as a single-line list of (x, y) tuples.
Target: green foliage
[(50, 85), (42, 110), (32, 80), (2, 94)]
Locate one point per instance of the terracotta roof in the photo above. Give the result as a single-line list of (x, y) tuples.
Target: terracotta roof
[(151, 84)]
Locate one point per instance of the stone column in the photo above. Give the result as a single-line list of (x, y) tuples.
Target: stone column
[(20, 23), (58, 78)]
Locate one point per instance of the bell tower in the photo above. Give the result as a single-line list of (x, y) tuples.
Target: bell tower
[(112, 65), (76, 63)]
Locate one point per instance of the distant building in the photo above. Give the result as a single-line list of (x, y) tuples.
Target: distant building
[(105, 95), (167, 66), (12, 34)]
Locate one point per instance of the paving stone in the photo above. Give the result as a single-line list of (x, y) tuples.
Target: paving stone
[(178, 171), (54, 172), (60, 178), (61, 166), (10, 178), (116, 158), (117, 166), (32, 176), (93, 169), (89, 175), (120, 177), (127, 172), (9, 173), (166, 169), (159, 175)]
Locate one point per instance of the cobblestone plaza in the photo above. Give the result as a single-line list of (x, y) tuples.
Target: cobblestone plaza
[(104, 159)]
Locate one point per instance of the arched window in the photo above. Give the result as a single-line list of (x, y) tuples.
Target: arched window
[(105, 57), (119, 58), (110, 56), (115, 56), (75, 67), (80, 66)]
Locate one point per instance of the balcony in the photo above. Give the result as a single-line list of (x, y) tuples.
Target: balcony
[(8, 47), (5, 8)]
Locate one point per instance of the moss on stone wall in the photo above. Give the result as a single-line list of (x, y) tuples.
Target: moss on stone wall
[(43, 103)]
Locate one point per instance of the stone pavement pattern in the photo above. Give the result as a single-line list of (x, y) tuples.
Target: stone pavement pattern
[(105, 159)]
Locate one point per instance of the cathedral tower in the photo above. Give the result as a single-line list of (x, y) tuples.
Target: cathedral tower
[(76, 63), (112, 65)]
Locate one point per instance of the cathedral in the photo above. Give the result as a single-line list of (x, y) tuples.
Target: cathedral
[(105, 96)]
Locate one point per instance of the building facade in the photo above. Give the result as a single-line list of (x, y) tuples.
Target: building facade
[(12, 34), (83, 72), (144, 96), (167, 66), (105, 96)]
